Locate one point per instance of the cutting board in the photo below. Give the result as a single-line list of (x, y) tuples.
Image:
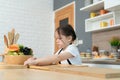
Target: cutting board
[(54, 67), (93, 72), (81, 70), (9, 66)]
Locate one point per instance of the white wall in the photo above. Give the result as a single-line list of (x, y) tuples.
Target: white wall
[(33, 19)]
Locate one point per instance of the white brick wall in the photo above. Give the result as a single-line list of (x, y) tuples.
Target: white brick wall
[(33, 19)]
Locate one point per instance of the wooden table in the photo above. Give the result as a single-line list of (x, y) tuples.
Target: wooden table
[(53, 72)]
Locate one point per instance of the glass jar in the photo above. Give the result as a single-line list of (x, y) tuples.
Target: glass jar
[(114, 51), (118, 53)]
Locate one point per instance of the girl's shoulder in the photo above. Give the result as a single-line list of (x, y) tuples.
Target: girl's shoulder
[(72, 46)]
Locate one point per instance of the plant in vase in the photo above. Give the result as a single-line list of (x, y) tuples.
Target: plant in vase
[(115, 43)]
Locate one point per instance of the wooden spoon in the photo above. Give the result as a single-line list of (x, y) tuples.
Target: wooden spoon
[(10, 38), (16, 38), (6, 41), (13, 35)]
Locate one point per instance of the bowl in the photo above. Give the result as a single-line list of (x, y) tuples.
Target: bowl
[(16, 59)]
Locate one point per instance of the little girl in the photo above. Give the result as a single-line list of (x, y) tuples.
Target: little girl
[(67, 54)]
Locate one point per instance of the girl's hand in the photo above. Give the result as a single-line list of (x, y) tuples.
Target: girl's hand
[(32, 58), (30, 61)]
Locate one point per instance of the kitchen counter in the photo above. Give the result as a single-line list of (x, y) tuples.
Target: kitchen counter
[(55, 72), (32, 74), (101, 61)]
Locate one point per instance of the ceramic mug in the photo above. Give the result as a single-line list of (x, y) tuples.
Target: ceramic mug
[(92, 14)]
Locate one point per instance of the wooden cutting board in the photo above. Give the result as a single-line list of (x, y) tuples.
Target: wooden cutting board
[(82, 70), (93, 72), (53, 67), (9, 66)]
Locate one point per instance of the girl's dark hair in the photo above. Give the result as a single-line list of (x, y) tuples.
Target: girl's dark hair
[(66, 30)]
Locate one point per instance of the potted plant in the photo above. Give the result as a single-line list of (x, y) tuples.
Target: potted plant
[(115, 42)]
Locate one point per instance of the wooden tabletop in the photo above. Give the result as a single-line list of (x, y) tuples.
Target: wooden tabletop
[(82, 70), (53, 72), (31, 74)]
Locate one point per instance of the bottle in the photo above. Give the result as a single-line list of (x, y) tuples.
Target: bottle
[(111, 22)]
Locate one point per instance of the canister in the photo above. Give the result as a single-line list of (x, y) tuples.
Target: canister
[(103, 24)]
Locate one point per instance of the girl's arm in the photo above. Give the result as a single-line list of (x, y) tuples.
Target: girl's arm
[(50, 59)]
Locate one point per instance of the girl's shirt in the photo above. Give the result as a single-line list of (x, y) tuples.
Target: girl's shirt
[(72, 49)]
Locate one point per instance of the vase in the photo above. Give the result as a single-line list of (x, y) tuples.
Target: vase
[(114, 50)]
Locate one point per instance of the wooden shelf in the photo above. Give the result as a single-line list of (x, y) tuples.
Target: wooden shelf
[(94, 6), (93, 24), (117, 26), (101, 17)]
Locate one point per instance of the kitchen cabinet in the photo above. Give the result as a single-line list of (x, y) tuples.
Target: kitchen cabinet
[(93, 24), (94, 6), (112, 5)]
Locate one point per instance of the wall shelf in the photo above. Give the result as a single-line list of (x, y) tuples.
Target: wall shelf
[(101, 17), (106, 28), (92, 24), (94, 6)]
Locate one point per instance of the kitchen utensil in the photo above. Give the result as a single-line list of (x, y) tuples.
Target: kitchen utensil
[(13, 34), (9, 38), (5, 40), (16, 38)]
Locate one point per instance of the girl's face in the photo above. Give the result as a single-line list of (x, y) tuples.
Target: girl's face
[(62, 41)]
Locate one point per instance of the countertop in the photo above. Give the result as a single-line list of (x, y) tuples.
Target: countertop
[(52, 72), (102, 61)]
